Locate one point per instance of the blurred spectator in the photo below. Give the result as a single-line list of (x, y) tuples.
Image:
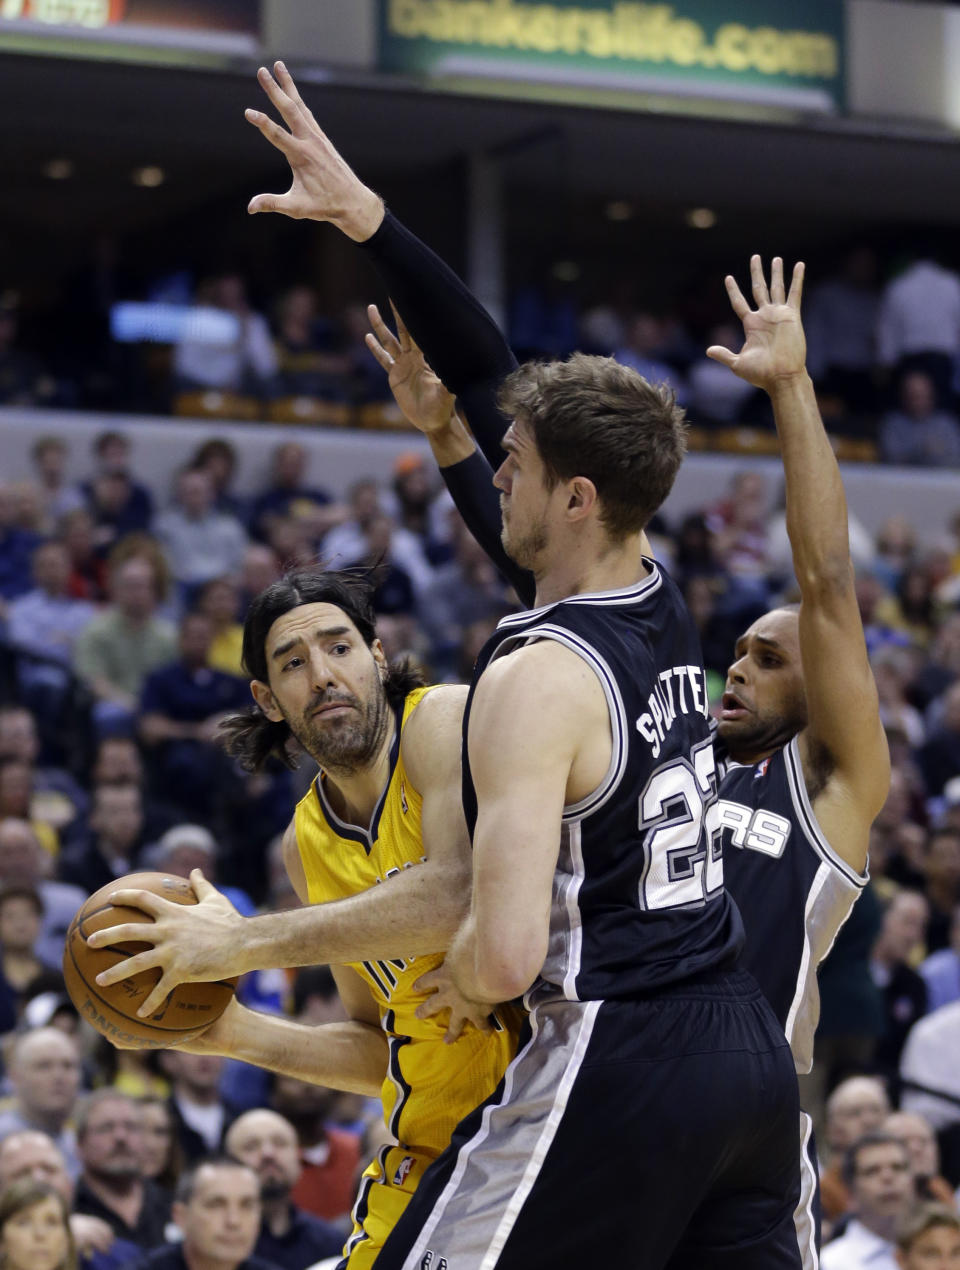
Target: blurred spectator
[(219, 600), (918, 327), (941, 665), (929, 1240), (200, 1114), (919, 432), (117, 762), (162, 1162), (940, 755), (261, 567), (35, 1228), (738, 524), (23, 862), (56, 797), (111, 1185), (30, 514), (21, 915), (120, 647), (16, 548), (896, 548), (289, 1237), (840, 322), (930, 1073), (23, 381), (393, 593), (181, 707), (642, 351), (116, 824), (466, 590), (217, 459), (88, 569), (877, 1171), (941, 970), (200, 542), (329, 1157), (904, 992), (893, 672), (717, 396), (921, 1143), (289, 495), (43, 1066), (292, 542), (217, 1210), (857, 1106), (943, 883), (30, 1154), (47, 620), (420, 509), (49, 455), (308, 365), (119, 504), (16, 802), (347, 542), (229, 348)]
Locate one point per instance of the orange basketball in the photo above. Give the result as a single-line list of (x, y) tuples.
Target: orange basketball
[(113, 1011)]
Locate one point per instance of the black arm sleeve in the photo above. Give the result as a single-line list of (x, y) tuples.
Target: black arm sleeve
[(459, 338), (470, 483)]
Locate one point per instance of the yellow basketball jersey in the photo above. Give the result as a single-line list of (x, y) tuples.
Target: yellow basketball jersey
[(430, 1086)]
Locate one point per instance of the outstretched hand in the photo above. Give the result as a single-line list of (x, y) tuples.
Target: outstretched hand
[(190, 943), (775, 347), (417, 390), (323, 187)]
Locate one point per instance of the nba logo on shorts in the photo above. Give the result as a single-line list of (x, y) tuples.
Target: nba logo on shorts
[(403, 1168), (428, 1262)]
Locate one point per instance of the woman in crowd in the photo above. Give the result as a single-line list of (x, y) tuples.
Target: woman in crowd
[(35, 1228)]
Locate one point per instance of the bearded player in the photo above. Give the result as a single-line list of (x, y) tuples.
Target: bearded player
[(378, 850)]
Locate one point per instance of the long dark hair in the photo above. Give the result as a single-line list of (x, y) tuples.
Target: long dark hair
[(251, 737)]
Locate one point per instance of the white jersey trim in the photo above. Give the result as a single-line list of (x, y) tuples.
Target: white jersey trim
[(623, 595), (808, 821), (806, 968)]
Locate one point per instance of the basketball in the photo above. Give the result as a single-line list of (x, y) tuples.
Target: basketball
[(112, 1011)]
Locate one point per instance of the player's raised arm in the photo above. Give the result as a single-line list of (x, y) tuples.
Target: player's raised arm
[(843, 747)]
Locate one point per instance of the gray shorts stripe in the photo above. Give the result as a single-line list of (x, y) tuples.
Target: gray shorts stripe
[(498, 1167), (803, 1218)]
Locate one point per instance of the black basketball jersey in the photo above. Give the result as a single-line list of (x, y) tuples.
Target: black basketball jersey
[(638, 895), (793, 891)]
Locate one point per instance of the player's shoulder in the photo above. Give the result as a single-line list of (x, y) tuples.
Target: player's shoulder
[(542, 682), (433, 727), (438, 705)]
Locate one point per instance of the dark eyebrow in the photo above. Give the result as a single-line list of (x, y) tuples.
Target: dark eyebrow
[(327, 632), (743, 643), (771, 643)]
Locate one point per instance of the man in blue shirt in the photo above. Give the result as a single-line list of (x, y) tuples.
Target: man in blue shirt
[(181, 706)]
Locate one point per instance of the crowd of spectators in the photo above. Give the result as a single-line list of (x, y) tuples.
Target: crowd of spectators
[(119, 655), (885, 356)]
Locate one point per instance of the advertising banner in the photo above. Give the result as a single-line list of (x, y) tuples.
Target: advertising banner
[(776, 51)]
